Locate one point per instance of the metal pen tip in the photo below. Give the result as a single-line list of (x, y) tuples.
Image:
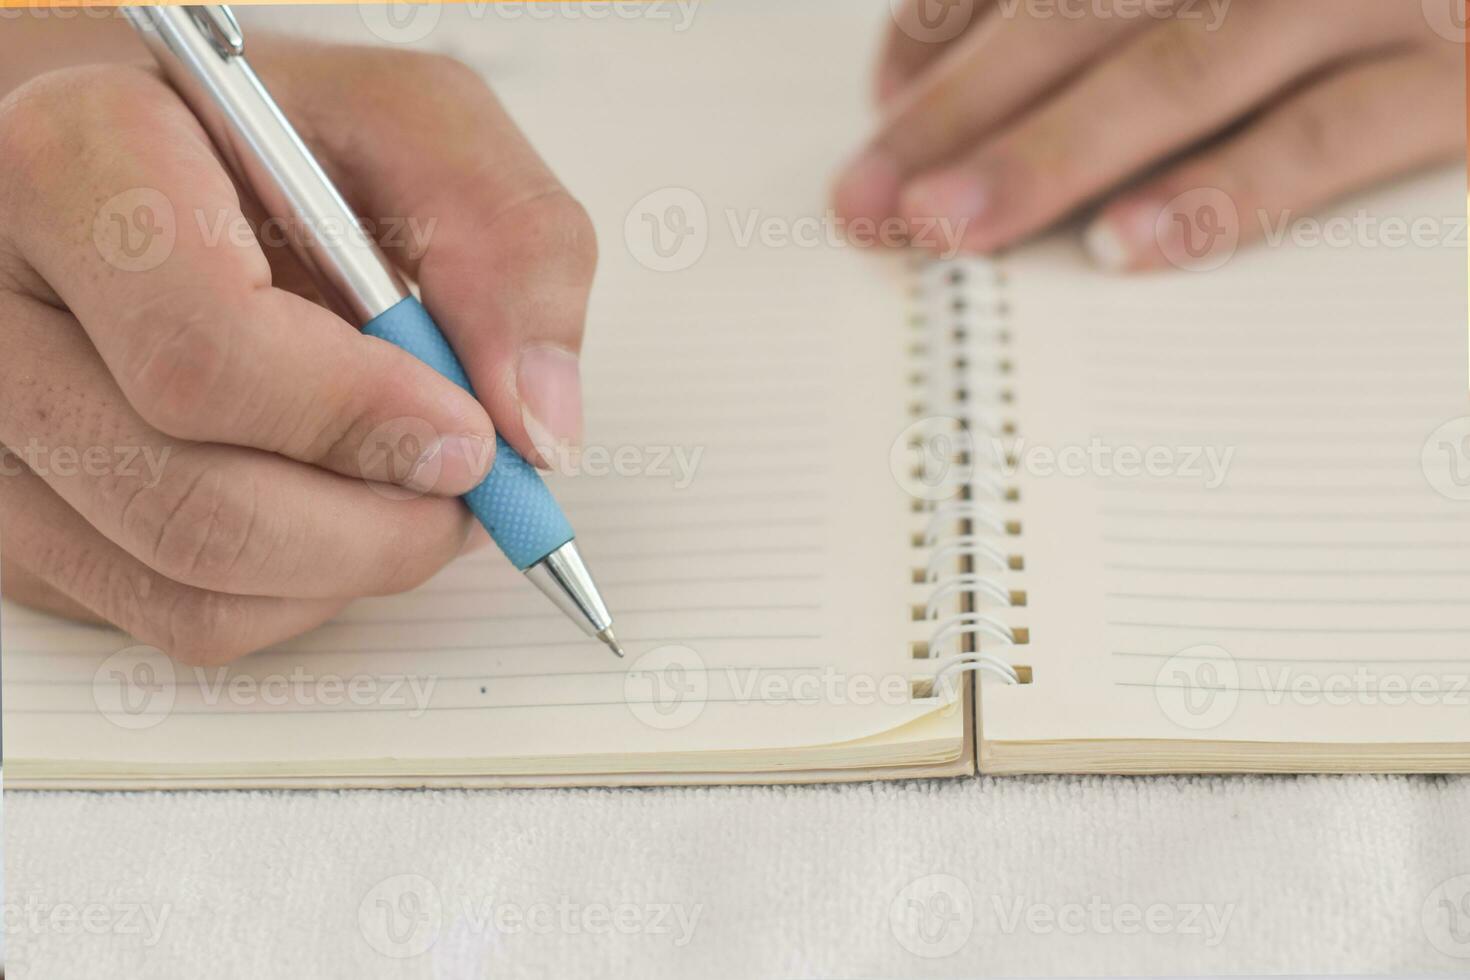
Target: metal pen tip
[(606, 636)]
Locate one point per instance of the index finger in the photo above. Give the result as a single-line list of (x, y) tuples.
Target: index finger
[(921, 31), (174, 291)]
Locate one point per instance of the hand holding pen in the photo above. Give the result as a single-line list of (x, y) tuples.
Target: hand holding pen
[(232, 509)]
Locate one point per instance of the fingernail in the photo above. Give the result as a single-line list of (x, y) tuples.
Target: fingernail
[(869, 187), (1106, 247), (958, 196), (1121, 238), (549, 381), (453, 465)]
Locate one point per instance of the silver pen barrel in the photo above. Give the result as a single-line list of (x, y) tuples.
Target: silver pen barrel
[(201, 50)]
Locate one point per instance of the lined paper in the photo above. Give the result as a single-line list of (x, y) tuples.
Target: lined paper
[(752, 398), (1292, 602)]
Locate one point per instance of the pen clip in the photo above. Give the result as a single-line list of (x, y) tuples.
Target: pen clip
[(219, 25)]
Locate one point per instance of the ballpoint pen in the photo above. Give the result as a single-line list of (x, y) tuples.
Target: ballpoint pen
[(201, 51)]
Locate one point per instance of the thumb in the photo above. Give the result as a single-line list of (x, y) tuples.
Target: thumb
[(504, 255)]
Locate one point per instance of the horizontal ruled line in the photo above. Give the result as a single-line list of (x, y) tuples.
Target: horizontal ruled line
[(1351, 630), (1288, 601)]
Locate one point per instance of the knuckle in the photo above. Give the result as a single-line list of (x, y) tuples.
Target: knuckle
[(447, 75), (198, 532), (552, 226), (31, 118), (52, 117)]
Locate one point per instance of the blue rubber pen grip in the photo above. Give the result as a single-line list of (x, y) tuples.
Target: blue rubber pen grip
[(513, 502)]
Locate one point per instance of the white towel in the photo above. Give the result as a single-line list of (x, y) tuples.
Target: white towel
[(1040, 876)]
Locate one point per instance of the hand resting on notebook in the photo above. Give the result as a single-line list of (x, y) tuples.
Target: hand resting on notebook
[(1010, 115), (196, 450)]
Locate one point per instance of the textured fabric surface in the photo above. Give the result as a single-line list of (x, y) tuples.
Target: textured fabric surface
[(1072, 876)]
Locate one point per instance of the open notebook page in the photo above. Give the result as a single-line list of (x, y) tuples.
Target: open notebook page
[(1316, 589), (747, 404)]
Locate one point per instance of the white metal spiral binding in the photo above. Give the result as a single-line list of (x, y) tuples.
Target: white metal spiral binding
[(972, 663), (966, 546), (971, 624), (980, 491), (968, 582), (968, 509)]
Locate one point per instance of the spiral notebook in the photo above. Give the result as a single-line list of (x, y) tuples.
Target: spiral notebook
[(864, 516)]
